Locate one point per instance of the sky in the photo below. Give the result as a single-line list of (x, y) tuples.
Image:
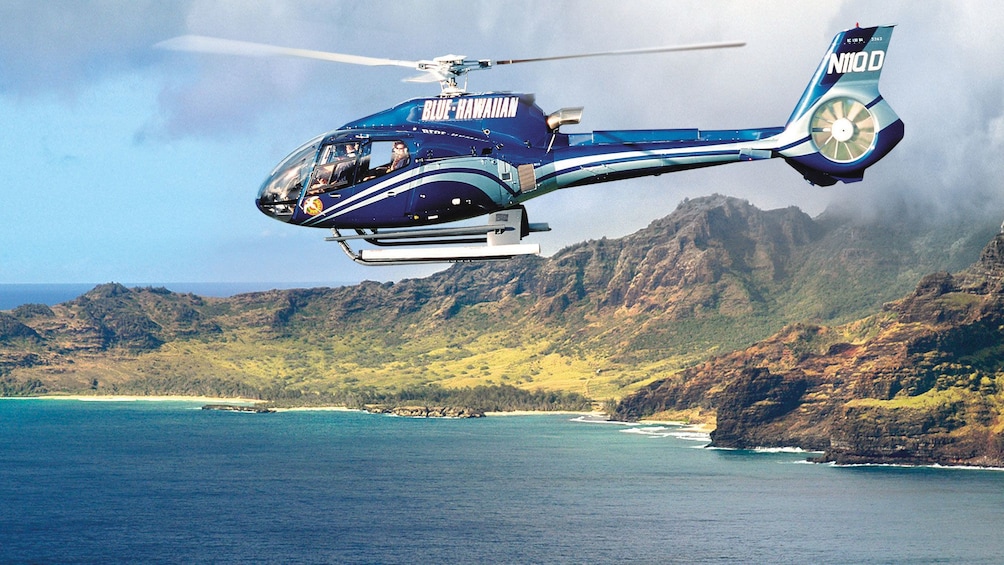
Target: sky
[(127, 163)]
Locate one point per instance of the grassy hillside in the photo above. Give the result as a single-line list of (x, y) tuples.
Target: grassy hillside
[(601, 318)]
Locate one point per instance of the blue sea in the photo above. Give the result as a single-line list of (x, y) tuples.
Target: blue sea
[(13, 295), (145, 481)]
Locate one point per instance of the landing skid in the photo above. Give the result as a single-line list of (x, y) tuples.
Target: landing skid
[(500, 239)]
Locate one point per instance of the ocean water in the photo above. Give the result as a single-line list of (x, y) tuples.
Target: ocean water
[(97, 482), (13, 295)]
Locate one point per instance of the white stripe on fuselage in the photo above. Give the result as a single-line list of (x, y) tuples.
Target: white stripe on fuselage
[(634, 159), (402, 185), (568, 170)]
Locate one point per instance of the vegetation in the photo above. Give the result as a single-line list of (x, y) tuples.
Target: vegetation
[(599, 320), (498, 398)]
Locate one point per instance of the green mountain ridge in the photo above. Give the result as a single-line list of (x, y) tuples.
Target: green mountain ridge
[(600, 319)]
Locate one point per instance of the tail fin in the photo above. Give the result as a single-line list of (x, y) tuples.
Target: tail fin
[(842, 125)]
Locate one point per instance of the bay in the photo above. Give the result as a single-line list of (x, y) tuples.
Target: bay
[(88, 482)]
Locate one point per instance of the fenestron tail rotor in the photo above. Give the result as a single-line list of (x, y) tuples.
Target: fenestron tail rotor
[(843, 130), (446, 69)]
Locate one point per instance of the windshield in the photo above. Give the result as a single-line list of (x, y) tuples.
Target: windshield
[(281, 190)]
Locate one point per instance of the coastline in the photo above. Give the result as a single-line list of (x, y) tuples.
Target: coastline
[(252, 401), (682, 426), (687, 426), (542, 412), (135, 398)]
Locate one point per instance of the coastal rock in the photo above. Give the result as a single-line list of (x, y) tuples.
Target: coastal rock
[(430, 412), (750, 404), (255, 409), (918, 383)]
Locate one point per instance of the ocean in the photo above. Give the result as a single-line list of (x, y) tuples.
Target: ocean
[(13, 295), (146, 481)]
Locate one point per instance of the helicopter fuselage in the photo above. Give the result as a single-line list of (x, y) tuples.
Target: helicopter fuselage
[(390, 177), (443, 159)]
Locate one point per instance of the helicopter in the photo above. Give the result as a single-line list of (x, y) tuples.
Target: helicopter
[(393, 178)]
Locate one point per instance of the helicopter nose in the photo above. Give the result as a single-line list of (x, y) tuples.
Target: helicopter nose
[(277, 199), (280, 192)]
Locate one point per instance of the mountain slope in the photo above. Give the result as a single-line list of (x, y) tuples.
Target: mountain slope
[(601, 318)]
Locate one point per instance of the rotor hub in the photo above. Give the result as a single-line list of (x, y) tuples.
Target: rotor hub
[(843, 130)]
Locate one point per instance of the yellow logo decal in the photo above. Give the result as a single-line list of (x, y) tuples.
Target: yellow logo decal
[(313, 206)]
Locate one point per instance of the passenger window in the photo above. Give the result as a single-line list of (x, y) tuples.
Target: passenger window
[(391, 156), (345, 163)]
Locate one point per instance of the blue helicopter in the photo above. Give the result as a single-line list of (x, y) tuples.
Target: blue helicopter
[(391, 179)]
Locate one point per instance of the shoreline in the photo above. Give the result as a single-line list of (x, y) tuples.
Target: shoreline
[(135, 398), (687, 426), (540, 412), (252, 401), (684, 426)]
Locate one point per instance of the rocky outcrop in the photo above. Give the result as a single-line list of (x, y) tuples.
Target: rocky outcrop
[(751, 404), (254, 409), (920, 382), (12, 329), (429, 411)]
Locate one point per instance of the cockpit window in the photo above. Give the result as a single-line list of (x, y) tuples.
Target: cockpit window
[(338, 166), (344, 164)]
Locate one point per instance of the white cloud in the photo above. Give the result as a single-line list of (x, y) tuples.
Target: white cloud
[(944, 76)]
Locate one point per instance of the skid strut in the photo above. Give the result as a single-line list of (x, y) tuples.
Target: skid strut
[(499, 239)]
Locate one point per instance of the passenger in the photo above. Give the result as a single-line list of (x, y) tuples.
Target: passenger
[(345, 169), (399, 158)]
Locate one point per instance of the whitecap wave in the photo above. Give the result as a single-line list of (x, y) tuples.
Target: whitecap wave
[(931, 466), (588, 419), (654, 431), (692, 436), (783, 450), (669, 431)]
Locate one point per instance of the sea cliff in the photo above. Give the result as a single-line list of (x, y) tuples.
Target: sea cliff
[(920, 382)]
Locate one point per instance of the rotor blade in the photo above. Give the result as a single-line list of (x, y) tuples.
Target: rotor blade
[(429, 76), (695, 47), (203, 44)]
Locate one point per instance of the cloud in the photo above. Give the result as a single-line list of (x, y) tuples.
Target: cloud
[(944, 76), (62, 45)]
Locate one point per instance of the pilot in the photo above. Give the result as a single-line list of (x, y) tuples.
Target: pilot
[(345, 168), (322, 178), (399, 157)]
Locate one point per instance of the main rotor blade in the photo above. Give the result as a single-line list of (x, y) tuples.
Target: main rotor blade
[(203, 44), (694, 47)]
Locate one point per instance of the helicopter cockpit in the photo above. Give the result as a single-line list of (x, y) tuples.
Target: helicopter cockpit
[(328, 166)]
